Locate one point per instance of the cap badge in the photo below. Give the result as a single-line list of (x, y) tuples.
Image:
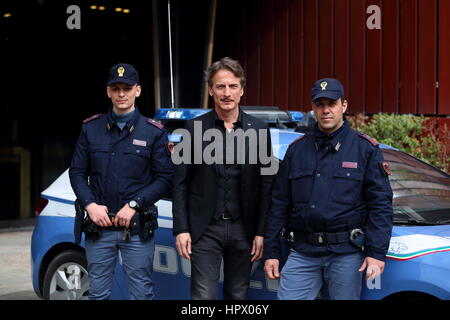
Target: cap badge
[(324, 85), (121, 71)]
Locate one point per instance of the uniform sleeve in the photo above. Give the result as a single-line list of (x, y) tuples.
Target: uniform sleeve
[(180, 192), (79, 171), (278, 215), (377, 193), (162, 172)]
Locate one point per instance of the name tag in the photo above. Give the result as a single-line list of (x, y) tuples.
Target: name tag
[(350, 165), (139, 143)]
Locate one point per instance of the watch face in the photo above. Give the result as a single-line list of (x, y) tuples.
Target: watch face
[(132, 204)]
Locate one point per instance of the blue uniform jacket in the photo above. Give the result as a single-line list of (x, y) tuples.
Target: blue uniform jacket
[(332, 191), (111, 167)]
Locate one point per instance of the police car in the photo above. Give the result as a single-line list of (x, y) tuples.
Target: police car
[(417, 266)]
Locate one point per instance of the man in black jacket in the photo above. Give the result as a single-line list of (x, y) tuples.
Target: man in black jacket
[(221, 188)]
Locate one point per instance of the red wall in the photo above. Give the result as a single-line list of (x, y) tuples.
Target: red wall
[(285, 45)]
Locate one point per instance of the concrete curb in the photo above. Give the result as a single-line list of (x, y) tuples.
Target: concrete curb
[(17, 225)]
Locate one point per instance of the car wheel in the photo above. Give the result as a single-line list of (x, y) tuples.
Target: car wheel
[(66, 277)]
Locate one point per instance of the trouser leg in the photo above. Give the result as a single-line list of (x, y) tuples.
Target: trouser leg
[(206, 258), (137, 261), (237, 262), (101, 256), (342, 276), (301, 277)]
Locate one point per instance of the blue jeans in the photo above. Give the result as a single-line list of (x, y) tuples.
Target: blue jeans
[(302, 276), (137, 262)]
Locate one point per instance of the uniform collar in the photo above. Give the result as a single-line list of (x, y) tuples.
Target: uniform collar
[(130, 124), (335, 139)]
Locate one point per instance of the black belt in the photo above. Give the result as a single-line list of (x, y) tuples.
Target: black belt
[(134, 224), (322, 238)]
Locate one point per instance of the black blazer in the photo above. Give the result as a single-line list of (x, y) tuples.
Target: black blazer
[(195, 186)]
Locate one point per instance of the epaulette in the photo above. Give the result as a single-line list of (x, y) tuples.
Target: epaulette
[(155, 123), (368, 138), (298, 139), (98, 115)]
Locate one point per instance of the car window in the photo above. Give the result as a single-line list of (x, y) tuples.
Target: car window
[(421, 192)]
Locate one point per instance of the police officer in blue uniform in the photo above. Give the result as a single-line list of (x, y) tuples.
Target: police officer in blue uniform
[(332, 194), (121, 166)]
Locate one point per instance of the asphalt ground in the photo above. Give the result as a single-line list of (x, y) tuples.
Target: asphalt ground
[(15, 260)]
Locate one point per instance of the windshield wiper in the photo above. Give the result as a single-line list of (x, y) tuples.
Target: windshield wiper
[(415, 222), (443, 221)]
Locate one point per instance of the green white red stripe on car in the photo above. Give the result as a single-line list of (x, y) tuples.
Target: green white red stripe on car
[(416, 245)]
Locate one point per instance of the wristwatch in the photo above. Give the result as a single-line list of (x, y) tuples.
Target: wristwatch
[(133, 204)]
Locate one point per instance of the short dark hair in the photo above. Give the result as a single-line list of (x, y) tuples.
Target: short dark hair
[(228, 64)]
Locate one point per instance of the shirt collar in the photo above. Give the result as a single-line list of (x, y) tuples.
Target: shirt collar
[(220, 122)]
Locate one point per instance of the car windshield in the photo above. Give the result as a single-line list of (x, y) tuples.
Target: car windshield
[(421, 192)]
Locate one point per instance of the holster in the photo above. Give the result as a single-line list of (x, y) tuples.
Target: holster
[(78, 223), (285, 242), (84, 224), (148, 222), (90, 229)]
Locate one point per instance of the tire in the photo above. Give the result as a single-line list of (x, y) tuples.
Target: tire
[(66, 277)]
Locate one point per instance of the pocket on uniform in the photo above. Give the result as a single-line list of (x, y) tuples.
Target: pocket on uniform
[(346, 186), (98, 156), (138, 151), (301, 185), (137, 160)]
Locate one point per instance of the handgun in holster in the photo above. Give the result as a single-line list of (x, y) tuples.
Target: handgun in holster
[(148, 222), (78, 224), (84, 224), (285, 243)]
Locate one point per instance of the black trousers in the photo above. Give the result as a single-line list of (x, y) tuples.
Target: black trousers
[(227, 240)]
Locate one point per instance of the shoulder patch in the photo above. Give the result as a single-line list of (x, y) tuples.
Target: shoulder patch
[(98, 115), (385, 168), (298, 139), (368, 138), (155, 123)]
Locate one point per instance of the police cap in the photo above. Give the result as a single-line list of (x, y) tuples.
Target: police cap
[(123, 73), (327, 88)]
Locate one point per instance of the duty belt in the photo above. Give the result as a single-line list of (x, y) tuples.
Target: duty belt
[(322, 238), (111, 216)]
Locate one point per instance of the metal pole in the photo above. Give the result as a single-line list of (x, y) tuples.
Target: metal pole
[(156, 60), (172, 99), (210, 47)]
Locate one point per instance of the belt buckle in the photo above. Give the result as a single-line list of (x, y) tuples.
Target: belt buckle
[(319, 238), (111, 217), (228, 217)]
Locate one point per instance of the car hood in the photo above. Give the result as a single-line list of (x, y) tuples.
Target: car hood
[(412, 242)]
